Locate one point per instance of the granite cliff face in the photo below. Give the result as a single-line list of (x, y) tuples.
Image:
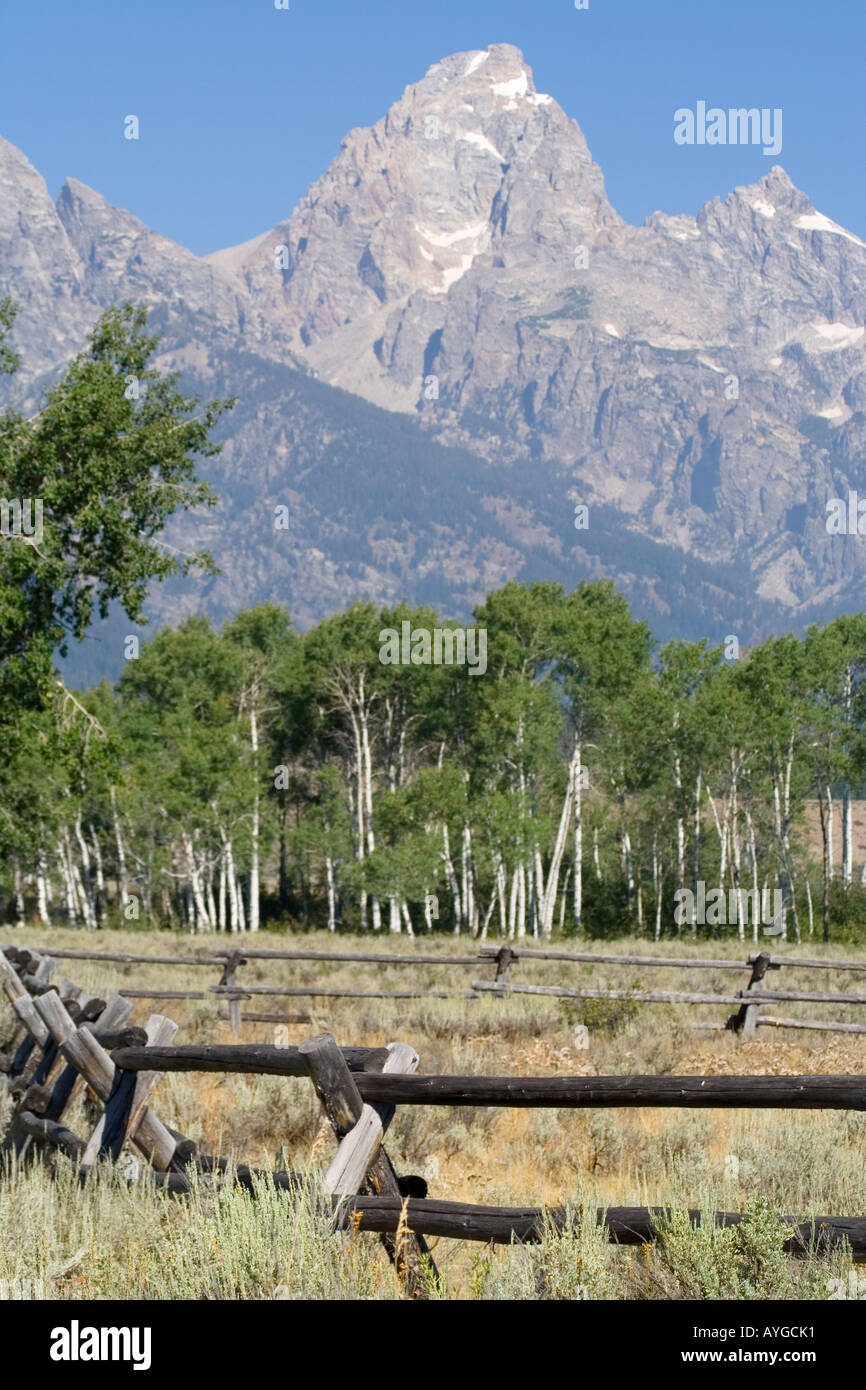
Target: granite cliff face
[(699, 383)]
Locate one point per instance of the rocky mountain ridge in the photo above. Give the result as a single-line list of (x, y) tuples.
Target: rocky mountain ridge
[(699, 383)]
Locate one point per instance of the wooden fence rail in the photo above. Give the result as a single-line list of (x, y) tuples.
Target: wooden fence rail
[(359, 1089), (747, 1002)]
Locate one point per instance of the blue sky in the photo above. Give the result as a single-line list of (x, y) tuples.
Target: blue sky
[(242, 106)]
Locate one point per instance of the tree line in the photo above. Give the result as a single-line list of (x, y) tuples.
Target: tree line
[(581, 784), (583, 781)]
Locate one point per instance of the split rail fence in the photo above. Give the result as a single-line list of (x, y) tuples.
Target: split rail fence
[(71, 1038), (748, 1002)]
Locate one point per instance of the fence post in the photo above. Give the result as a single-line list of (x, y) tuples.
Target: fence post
[(125, 1105), (745, 1020), (232, 961), (504, 956), (344, 1107)]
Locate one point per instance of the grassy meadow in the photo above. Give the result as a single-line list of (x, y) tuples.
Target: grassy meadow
[(113, 1239)]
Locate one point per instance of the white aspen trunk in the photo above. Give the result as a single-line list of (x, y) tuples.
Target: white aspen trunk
[(239, 896), (488, 914), (681, 827), (539, 889), (64, 855), (512, 904), (84, 877), (500, 888), (548, 902), (722, 831), (847, 845), (639, 900), (735, 848), (84, 901), (428, 909), (394, 914), (359, 810), (100, 876), (831, 860), (629, 867), (122, 880), (41, 891), (201, 920), (221, 896), (466, 876), (696, 863), (211, 904), (232, 885), (577, 793), (595, 859), (332, 894), (452, 879), (521, 901), (254, 835), (407, 918), (656, 893), (809, 905), (368, 800)]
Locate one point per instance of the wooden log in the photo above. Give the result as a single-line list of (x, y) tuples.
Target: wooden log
[(489, 953), (356, 1152), (268, 1018), (806, 997), (33, 985), (765, 1021), (368, 957), (815, 963), (38, 1127), (125, 1106), (115, 1013), (26, 1011), (575, 1092), (400, 1060), (104, 1026), (10, 981), (247, 991), (639, 996), (337, 1089), (36, 1098), (44, 969), (22, 1055), (162, 994), (242, 1058), (130, 958), (123, 1037), (50, 1054), (625, 1225), (84, 1052)]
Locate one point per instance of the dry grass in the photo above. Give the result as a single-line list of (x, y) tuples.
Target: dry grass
[(801, 1163)]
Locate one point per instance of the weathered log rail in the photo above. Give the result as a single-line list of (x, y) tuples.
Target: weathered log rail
[(747, 1002), (359, 1088)]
